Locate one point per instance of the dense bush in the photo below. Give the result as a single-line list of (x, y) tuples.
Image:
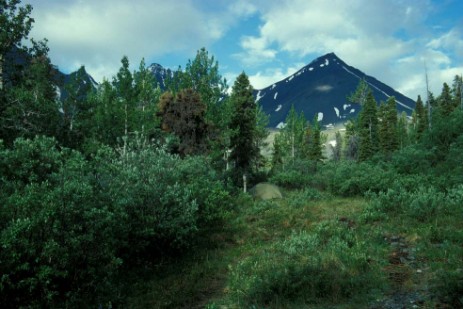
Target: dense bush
[(58, 240), (301, 198), (422, 203), (325, 266), (67, 224), (296, 174), (352, 179), (167, 200)]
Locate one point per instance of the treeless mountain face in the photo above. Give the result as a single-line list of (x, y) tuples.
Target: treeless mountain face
[(320, 90)]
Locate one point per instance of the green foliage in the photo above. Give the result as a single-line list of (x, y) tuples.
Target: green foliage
[(328, 265), (314, 144), (291, 140), (15, 25), (295, 174), (414, 159), (126, 107), (67, 224), (302, 197), (76, 111), (243, 124), (337, 149), (388, 130), (360, 94), (368, 129), (420, 119), (147, 96), (30, 107), (421, 203), (350, 179), (58, 238), (202, 75)]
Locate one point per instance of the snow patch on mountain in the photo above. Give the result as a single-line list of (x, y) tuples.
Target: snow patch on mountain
[(324, 88), (259, 96), (273, 86), (291, 78), (337, 111), (279, 108), (320, 117), (350, 72), (345, 106), (275, 96), (352, 110), (327, 62), (310, 69), (281, 125), (58, 93)]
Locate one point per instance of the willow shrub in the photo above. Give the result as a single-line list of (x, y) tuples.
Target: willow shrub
[(67, 224), (327, 265), (58, 240)]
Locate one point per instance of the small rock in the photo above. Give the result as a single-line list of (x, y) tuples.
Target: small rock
[(419, 271)]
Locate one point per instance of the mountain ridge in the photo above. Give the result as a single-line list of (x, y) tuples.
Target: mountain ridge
[(320, 89)]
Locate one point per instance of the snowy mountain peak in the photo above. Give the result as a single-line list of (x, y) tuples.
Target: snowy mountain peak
[(320, 90)]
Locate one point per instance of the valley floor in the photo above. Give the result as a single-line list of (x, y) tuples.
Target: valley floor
[(307, 250)]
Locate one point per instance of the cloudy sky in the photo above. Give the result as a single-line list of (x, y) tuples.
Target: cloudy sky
[(392, 40)]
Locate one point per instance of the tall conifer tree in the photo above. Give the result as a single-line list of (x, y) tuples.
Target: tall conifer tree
[(243, 124), (368, 129)]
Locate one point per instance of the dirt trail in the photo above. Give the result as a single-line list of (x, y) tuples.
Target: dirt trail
[(402, 271)]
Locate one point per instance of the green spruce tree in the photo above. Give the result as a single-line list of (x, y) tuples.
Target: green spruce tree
[(388, 135), (243, 124), (368, 129), (147, 94), (420, 119), (314, 142)]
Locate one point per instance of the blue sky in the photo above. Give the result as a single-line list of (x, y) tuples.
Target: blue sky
[(391, 40)]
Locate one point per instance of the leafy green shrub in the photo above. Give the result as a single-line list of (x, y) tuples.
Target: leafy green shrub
[(300, 198), (353, 179), (296, 174), (414, 159), (67, 224), (422, 204), (58, 240), (325, 266), (166, 199)]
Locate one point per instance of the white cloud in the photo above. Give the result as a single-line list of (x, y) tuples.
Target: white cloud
[(256, 51), (451, 40), (99, 33), (242, 8), (269, 76)]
